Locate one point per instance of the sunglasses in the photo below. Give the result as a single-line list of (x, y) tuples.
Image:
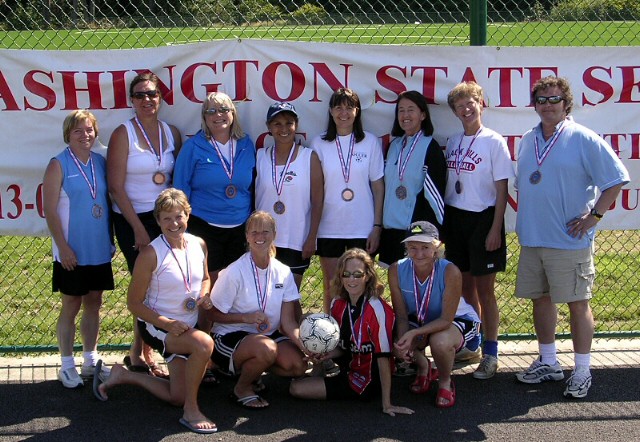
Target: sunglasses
[(554, 99), (141, 95), (356, 274), (220, 110)]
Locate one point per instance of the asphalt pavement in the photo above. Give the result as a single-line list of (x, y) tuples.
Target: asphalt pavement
[(34, 406)]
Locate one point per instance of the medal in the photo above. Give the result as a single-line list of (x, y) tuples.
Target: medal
[(190, 304), (401, 190), (347, 194), (460, 159), (262, 295), (97, 211), (535, 177), (159, 178), (263, 326), (230, 191), (278, 207), (541, 154)]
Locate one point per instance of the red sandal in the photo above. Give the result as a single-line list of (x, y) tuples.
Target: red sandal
[(446, 398), (422, 383)]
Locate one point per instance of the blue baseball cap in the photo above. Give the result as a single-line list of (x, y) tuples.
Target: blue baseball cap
[(277, 108)]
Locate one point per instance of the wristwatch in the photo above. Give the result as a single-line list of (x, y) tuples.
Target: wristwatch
[(595, 213)]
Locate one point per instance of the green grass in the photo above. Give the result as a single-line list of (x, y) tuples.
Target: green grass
[(29, 310), (446, 34)]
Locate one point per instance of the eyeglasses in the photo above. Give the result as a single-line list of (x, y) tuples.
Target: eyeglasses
[(554, 99), (220, 110), (356, 274), (142, 94)]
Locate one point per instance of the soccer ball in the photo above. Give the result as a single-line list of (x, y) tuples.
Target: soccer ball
[(319, 333)]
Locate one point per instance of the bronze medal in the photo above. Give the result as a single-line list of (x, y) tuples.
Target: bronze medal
[(97, 211), (347, 194), (278, 207), (535, 177), (190, 304), (159, 178), (401, 192), (458, 187), (231, 191), (263, 326)]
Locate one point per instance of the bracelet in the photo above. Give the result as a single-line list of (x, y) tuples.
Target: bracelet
[(377, 225)]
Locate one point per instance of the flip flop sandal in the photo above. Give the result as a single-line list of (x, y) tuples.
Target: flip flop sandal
[(191, 426), (136, 368), (446, 398), (246, 400), (422, 383), (210, 378)]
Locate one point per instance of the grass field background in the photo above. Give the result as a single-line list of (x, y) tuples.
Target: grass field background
[(29, 310)]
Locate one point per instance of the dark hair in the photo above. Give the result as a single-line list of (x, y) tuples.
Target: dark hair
[(349, 97), (147, 76), (419, 100), (551, 81)]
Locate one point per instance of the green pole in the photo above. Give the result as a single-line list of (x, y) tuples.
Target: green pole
[(478, 23)]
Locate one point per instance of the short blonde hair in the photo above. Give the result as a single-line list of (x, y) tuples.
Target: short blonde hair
[(221, 99), (170, 199), (465, 89), (75, 117)]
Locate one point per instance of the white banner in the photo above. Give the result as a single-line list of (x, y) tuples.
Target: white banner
[(39, 88)]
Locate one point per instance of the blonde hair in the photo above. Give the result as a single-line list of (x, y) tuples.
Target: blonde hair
[(260, 220), (465, 89), (221, 99), (75, 117), (373, 287), (170, 199)]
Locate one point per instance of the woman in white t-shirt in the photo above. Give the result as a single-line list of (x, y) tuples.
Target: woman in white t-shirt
[(254, 326), (353, 168), (479, 166)]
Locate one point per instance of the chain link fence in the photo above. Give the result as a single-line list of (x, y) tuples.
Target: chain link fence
[(28, 309)]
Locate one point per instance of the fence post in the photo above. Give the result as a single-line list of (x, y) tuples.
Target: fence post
[(478, 23)]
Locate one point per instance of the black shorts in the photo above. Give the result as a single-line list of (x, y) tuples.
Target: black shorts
[(155, 338), (335, 247), (224, 245), (82, 279), (127, 239), (466, 233), (391, 247), (293, 259), (225, 345), (338, 387)]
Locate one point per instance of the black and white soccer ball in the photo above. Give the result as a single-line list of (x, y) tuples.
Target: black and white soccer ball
[(319, 333)]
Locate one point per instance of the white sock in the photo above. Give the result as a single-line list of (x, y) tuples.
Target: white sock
[(67, 362), (582, 361), (547, 353), (90, 358)]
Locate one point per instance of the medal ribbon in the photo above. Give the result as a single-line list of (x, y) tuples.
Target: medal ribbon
[(459, 160), (541, 155), (357, 340), (261, 294), (278, 184), (402, 165), (93, 188), (421, 311), (160, 152), (186, 278), (346, 167), (228, 169)]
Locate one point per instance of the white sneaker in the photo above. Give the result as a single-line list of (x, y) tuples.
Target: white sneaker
[(87, 371), (487, 367), (578, 384), (539, 372), (70, 378), (466, 357)]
